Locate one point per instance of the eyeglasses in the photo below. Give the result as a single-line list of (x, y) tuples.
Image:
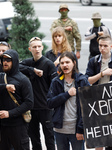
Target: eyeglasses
[(7, 59), (4, 43), (34, 38)]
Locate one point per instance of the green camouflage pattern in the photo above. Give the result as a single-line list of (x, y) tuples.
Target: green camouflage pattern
[(71, 35)]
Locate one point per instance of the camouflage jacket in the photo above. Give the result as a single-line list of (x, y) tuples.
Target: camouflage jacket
[(71, 35)]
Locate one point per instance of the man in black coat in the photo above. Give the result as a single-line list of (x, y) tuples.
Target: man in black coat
[(4, 46), (13, 126), (40, 71)]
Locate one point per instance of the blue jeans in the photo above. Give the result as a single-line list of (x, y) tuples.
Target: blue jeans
[(63, 141)]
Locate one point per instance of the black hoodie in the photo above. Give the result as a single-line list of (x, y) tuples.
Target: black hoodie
[(23, 93)]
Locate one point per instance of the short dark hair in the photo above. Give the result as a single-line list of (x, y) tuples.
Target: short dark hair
[(70, 56)]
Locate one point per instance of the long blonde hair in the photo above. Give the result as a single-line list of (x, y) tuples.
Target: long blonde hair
[(65, 44)]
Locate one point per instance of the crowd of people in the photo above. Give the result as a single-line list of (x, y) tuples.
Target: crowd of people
[(48, 86)]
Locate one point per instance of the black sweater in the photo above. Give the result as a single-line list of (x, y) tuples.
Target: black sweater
[(40, 84)]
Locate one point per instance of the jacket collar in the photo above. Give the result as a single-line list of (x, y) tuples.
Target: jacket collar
[(62, 77), (77, 77), (100, 58)]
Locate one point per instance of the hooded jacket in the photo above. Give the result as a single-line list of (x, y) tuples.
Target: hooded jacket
[(57, 97), (23, 93)]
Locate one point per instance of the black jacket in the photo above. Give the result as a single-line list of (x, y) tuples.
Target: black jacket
[(50, 55), (23, 93), (40, 84), (94, 67)]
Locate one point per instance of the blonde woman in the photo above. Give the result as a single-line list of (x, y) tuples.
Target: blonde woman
[(60, 44)]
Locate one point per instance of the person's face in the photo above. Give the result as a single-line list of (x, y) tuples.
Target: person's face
[(66, 65), (58, 38), (36, 48), (63, 12), (3, 48), (7, 64), (104, 47), (96, 22), (63, 9)]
